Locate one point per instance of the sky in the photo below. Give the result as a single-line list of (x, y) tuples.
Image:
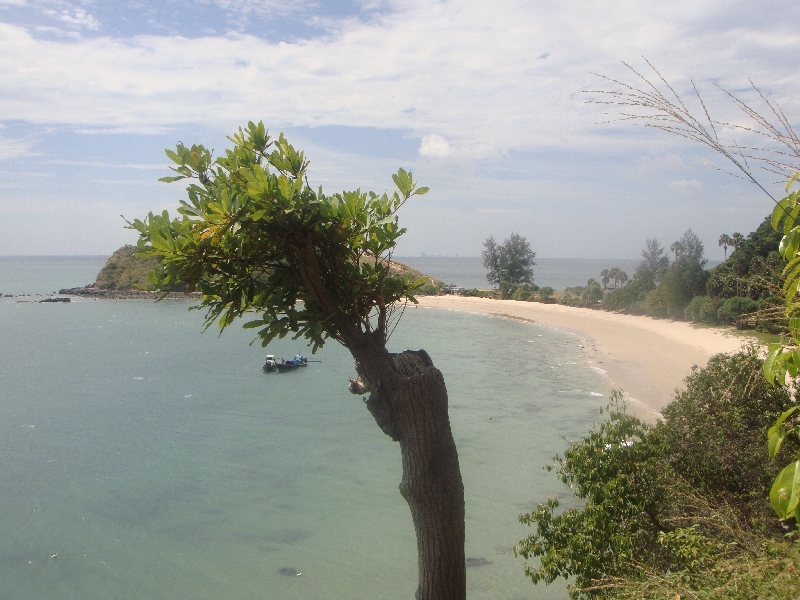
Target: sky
[(485, 102)]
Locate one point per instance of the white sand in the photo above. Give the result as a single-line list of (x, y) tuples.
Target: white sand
[(647, 358)]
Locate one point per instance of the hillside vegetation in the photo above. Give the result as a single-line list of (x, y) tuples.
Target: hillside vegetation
[(124, 271), (676, 510)]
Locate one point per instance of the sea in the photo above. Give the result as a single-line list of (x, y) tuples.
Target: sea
[(141, 457)]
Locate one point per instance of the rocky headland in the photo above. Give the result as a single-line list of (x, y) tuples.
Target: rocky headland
[(125, 276)]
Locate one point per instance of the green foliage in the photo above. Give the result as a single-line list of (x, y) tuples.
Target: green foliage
[(588, 296), (630, 298), (713, 433), (685, 278), (545, 294), (616, 274), (125, 270), (675, 507), (253, 237), (654, 264), (753, 269), (658, 288), (609, 469), (783, 360), (656, 302), (523, 292), (593, 293), (702, 309), (476, 293), (633, 298), (733, 308), (508, 264)]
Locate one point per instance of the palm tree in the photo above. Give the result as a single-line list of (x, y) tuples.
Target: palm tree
[(614, 274), (725, 240), (737, 240), (623, 278), (606, 277)]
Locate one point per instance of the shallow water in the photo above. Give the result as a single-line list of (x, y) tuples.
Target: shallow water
[(140, 458)]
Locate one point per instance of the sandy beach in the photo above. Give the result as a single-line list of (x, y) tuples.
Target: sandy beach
[(647, 358)]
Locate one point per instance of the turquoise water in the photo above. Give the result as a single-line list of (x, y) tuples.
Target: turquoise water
[(46, 274), (139, 458)]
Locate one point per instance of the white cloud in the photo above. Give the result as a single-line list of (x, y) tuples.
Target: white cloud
[(434, 146), (649, 165), (685, 187), (470, 71), (13, 147)]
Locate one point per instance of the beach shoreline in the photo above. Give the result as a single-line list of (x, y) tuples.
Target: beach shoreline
[(645, 357)]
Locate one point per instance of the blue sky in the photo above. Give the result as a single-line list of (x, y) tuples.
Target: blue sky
[(482, 101)]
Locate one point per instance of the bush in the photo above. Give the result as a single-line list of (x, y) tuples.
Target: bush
[(476, 293), (656, 302), (628, 298), (732, 308), (702, 309), (545, 294), (432, 287), (593, 293), (714, 434), (678, 508), (523, 292)]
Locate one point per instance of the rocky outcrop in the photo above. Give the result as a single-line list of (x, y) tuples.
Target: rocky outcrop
[(91, 291)]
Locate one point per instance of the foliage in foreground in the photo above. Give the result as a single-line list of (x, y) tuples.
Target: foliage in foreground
[(675, 508), (256, 240)]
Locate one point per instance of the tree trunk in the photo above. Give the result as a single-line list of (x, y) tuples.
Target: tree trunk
[(409, 402)]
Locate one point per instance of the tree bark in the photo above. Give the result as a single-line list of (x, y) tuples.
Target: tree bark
[(408, 400)]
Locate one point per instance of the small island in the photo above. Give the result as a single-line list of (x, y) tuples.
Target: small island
[(126, 276)]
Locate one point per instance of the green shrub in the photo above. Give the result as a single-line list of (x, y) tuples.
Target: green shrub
[(678, 508), (656, 302), (545, 294), (732, 308), (702, 309), (476, 293), (714, 434), (593, 293), (524, 292), (433, 287)]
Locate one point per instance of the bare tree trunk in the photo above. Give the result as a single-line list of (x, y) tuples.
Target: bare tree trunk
[(409, 402)]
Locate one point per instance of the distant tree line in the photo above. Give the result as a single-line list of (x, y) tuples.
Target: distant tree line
[(743, 290)]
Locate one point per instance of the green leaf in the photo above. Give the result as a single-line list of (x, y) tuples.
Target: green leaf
[(254, 324), (770, 370), (171, 179), (789, 244), (782, 419), (174, 157), (785, 494), (778, 212), (775, 440), (792, 179)]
